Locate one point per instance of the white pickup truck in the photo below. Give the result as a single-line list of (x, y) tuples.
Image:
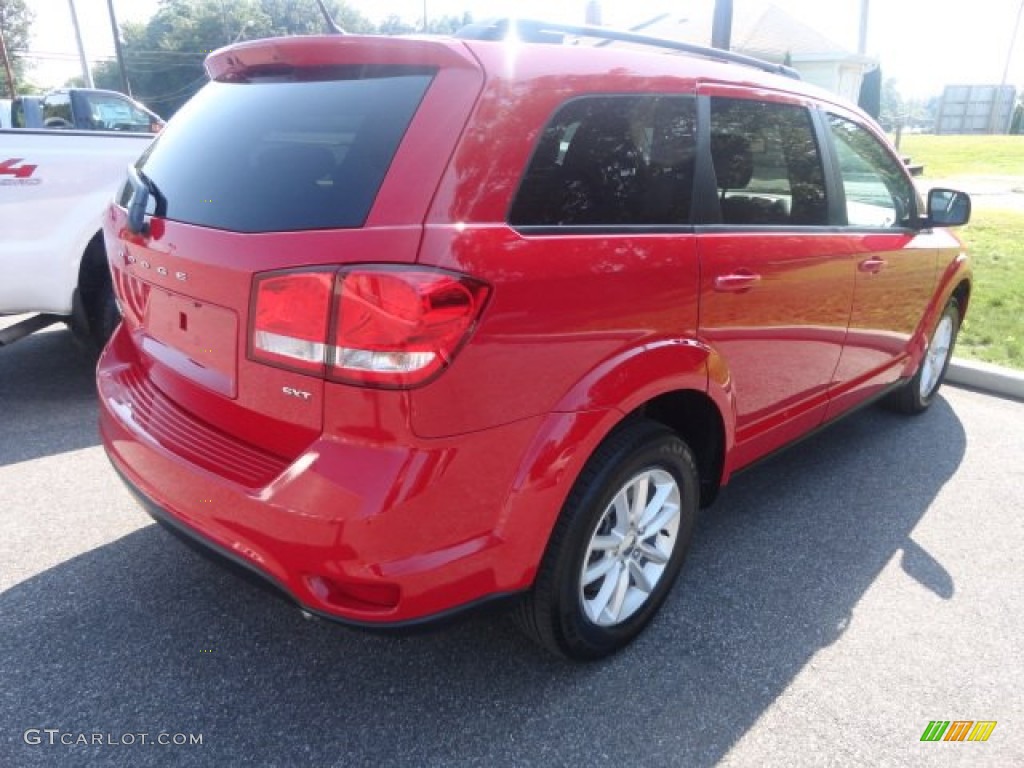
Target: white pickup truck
[(55, 187)]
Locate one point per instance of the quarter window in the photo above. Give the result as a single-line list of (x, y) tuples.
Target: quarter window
[(612, 160), (768, 169), (878, 193)]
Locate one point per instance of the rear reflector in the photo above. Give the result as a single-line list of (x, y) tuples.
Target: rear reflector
[(381, 327)]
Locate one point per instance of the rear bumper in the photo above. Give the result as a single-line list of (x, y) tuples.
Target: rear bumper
[(372, 535), (246, 570)]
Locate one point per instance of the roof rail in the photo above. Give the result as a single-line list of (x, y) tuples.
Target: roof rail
[(532, 31)]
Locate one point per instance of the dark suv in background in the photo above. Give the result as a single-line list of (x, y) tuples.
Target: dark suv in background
[(416, 324)]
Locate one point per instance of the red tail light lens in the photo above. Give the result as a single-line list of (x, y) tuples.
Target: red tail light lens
[(400, 328), (382, 327), (289, 319)]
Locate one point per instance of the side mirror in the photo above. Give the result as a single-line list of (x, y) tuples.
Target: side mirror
[(948, 208)]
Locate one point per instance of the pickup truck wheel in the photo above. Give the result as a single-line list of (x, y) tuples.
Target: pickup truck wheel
[(104, 315), (96, 295), (918, 393), (618, 546)]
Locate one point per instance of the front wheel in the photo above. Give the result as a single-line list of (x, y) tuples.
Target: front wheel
[(917, 394), (618, 546)]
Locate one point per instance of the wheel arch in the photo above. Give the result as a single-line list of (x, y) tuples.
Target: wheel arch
[(693, 399), (94, 258), (962, 294), (695, 417), (954, 283)]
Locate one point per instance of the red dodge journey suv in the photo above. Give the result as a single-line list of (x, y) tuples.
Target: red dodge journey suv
[(411, 325)]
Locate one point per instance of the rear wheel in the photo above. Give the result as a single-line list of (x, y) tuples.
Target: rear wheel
[(618, 546), (95, 320), (917, 394), (103, 312)]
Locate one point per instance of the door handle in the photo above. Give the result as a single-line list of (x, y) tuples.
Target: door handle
[(874, 266), (737, 282)]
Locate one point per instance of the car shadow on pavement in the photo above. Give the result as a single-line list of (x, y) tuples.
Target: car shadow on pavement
[(143, 635), (47, 397)]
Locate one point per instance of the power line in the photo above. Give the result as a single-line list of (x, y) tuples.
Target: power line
[(29, 53), (176, 93)]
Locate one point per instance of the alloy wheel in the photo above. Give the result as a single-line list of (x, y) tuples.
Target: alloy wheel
[(630, 547)]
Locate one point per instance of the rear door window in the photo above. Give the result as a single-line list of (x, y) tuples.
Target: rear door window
[(768, 168), (612, 160), (285, 153)]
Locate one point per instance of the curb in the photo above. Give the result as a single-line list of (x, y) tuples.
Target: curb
[(986, 377)]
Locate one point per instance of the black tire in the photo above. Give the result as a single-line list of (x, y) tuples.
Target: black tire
[(913, 397), (95, 320), (555, 612), (103, 314)]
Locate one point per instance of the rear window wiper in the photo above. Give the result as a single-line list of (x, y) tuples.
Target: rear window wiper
[(142, 188)]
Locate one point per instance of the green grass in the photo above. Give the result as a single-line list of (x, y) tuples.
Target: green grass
[(994, 329), (945, 157)]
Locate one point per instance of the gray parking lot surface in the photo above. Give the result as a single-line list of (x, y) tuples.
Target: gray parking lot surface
[(837, 599)]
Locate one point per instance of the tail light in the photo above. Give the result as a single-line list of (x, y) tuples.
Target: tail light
[(290, 319), (375, 327)]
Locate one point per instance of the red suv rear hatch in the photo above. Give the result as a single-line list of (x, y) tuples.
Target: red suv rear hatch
[(303, 154)]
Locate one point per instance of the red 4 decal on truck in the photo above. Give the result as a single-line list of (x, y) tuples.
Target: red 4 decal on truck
[(22, 174)]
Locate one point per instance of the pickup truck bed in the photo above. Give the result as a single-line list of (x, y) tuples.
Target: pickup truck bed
[(54, 189)]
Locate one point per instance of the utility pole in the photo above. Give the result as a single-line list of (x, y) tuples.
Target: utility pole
[(12, 87), (721, 25), (862, 42), (224, 22), (86, 72), (994, 114), (125, 87)]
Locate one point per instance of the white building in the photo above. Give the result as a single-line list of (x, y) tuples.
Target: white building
[(766, 31)]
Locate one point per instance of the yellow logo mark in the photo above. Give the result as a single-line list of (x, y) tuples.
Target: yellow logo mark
[(982, 730)]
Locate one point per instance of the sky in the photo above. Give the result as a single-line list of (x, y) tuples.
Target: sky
[(924, 44)]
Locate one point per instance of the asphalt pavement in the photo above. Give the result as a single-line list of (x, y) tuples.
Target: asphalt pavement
[(837, 599)]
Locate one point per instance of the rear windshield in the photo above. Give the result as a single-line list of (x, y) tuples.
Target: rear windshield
[(279, 153)]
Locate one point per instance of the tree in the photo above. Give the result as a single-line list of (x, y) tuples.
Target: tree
[(448, 25), (15, 25), (1017, 121), (396, 25), (304, 18), (893, 108), (164, 56), (445, 25)]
